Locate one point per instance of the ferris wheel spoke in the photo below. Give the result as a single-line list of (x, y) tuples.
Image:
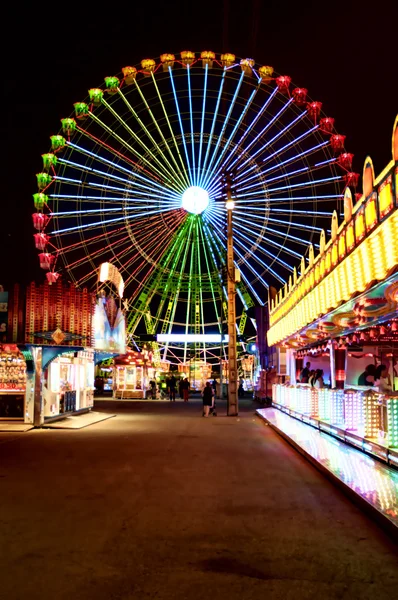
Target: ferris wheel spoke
[(87, 212), (147, 132), (146, 247), (168, 289), (155, 122), (286, 200), (167, 168), (97, 253), (209, 273), (293, 159), (287, 176), (191, 122), (153, 279), (129, 182), (220, 249), (107, 221), (117, 167), (215, 187), (280, 133), (248, 265), (174, 291), (258, 260), (259, 136), (251, 126), (190, 175), (266, 240), (199, 275), (202, 169), (305, 184), (185, 181), (248, 235), (152, 186), (287, 236), (187, 322), (293, 142), (167, 250), (198, 174), (95, 239), (293, 211), (122, 191), (215, 173), (115, 152), (312, 228), (210, 169), (163, 174), (282, 211), (315, 183)]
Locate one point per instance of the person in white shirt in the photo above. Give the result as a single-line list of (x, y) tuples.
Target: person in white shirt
[(318, 379), (382, 379)]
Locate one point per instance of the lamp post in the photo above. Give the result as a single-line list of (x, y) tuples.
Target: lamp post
[(232, 404)]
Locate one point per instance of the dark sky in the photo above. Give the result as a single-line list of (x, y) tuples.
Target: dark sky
[(341, 52)]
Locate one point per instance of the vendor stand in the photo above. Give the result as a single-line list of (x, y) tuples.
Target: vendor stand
[(132, 373), (12, 383), (340, 315), (68, 383)]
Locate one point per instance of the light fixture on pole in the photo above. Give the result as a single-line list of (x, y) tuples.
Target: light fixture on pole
[(232, 405)]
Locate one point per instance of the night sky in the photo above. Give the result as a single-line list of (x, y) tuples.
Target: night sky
[(342, 53)]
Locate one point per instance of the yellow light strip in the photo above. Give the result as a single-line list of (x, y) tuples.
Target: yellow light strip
[(371, 261), (364, 220)]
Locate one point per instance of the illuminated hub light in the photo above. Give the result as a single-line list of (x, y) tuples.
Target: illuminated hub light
[(195, 200)]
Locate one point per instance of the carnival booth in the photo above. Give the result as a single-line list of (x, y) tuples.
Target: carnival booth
[(53, 331), (13, 383), (341, 316), (68, 383), (132, 373)]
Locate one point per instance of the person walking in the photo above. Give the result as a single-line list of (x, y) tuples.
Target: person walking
[(152, 384), (185, 389), (172, 388), (207, 396)]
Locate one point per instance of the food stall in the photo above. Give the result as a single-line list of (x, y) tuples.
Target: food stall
[(68, 383), (132, 373), (341, 315), (12, 383)]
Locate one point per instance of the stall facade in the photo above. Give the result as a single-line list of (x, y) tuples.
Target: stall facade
[(132, 374), (340, 316), (53, 336)]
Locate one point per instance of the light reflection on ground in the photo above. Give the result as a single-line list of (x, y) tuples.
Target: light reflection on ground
[(372, 480)]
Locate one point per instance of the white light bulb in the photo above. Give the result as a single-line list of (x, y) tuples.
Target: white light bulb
[(195, 200)]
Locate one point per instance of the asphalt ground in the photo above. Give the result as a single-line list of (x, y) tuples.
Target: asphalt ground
[(159, 502)]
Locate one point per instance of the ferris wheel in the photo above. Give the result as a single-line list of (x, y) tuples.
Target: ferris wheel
[(136, 177)]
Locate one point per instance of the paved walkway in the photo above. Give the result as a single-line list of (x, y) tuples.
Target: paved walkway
[(161, 503)]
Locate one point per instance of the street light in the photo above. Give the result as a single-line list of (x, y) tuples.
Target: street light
[(232, 404)]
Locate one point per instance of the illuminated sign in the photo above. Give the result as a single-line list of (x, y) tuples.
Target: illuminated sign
[(108, 272), (182, 338), (372, 260)]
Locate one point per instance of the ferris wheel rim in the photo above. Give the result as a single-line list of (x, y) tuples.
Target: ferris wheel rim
[(250, 253)]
